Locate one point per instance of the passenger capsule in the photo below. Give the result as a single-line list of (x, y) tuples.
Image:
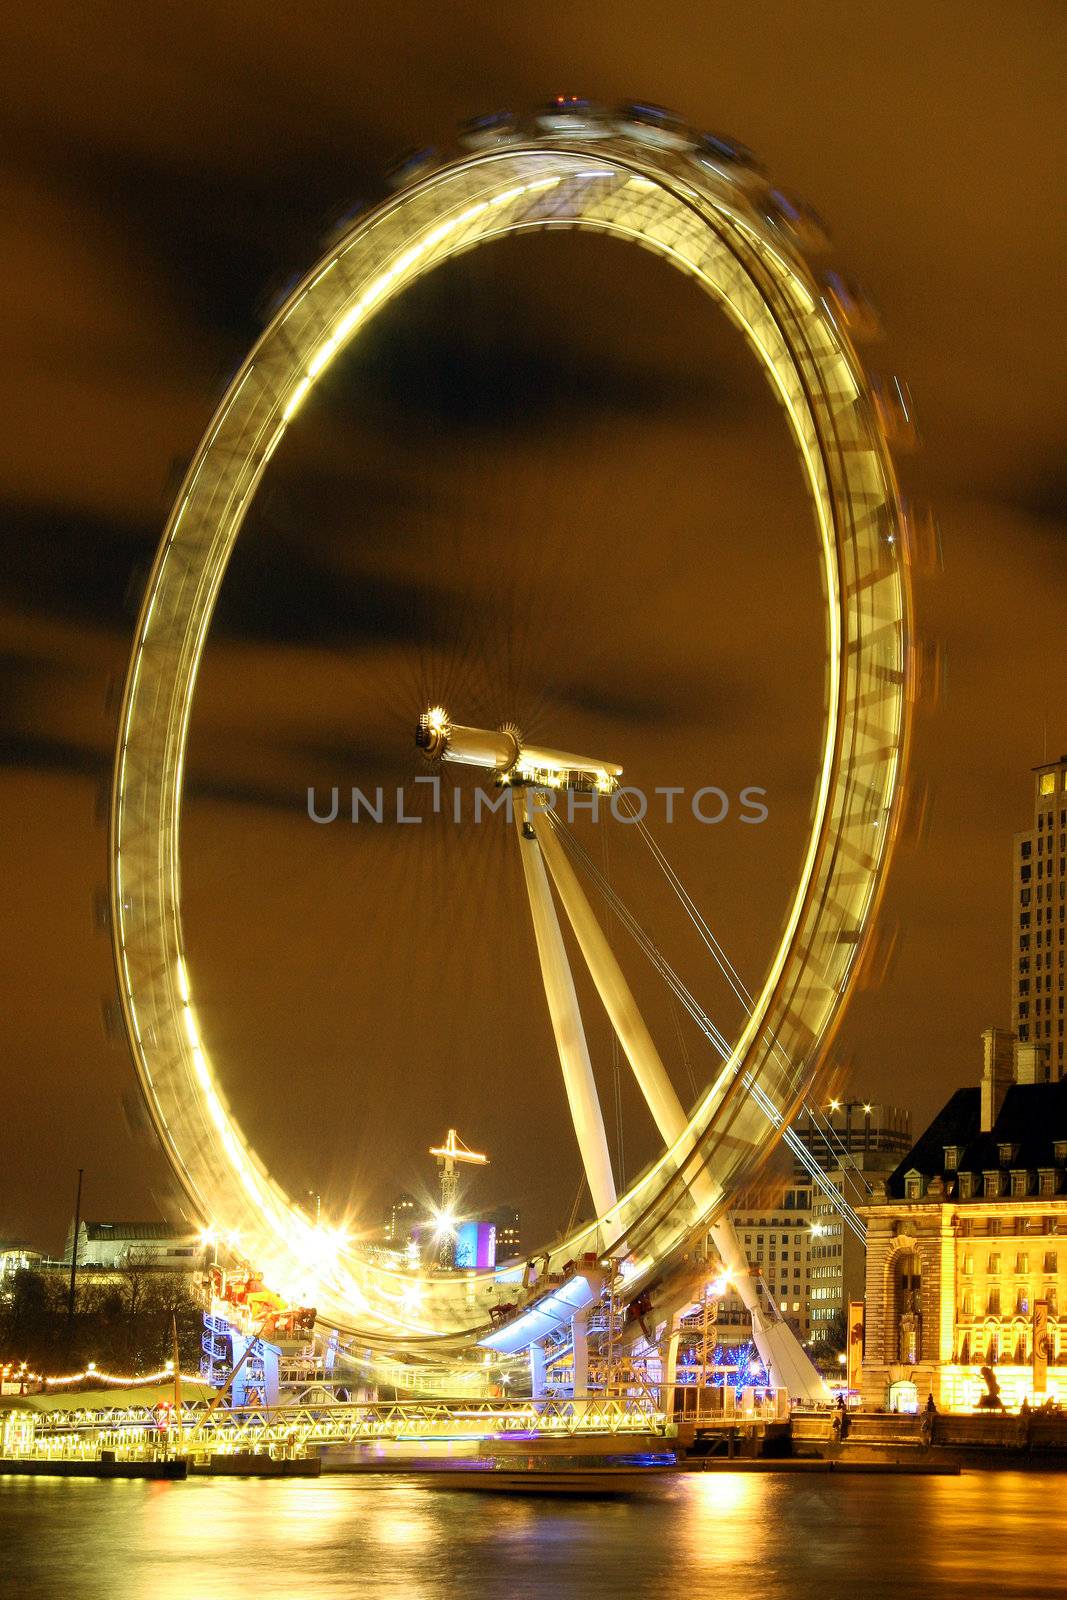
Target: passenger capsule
[(727, 158), (573, 116), (335, 231), (411, 166), (896, 413), (851, 306), (653, 125), (799, 222), (486, 132)]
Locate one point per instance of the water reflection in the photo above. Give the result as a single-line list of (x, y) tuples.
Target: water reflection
[(699, 1535)]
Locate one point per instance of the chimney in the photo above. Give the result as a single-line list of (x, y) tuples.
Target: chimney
[(1032, 1063), (998, 1072)]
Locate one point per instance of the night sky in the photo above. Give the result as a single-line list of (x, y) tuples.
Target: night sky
[(548, 484)]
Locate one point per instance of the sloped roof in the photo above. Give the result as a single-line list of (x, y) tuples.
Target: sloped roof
[(132, 1231), (1033, 1117)]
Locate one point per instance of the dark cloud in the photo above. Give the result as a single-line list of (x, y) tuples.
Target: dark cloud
[(1043, 494), (41, 754), (166, 173), (64, 562), (228, 244), (467, 350)]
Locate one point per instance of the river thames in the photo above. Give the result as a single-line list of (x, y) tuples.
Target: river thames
[(716, 1534)]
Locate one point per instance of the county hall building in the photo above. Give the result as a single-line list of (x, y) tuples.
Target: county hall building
[(966, 1272)]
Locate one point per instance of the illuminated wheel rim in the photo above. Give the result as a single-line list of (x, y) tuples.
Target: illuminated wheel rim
[(692, 214)]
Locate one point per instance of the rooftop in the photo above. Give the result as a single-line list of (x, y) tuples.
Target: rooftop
[(134, 1231), (1032, 1120)]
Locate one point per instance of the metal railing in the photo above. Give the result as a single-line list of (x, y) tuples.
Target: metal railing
[(139, 1430)]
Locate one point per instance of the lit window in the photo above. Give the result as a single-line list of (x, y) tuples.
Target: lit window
[(1047, 783)]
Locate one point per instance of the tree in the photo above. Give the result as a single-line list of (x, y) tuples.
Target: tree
[(122, 1321)]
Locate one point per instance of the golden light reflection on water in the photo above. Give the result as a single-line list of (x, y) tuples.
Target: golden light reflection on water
[(715, 1534)]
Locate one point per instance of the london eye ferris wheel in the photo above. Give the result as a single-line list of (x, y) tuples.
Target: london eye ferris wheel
[(703, 206)]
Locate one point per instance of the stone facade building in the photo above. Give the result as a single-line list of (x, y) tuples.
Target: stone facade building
[(793, 1230), (966, 1271)]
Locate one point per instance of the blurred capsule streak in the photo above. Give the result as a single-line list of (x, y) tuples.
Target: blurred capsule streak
[(574, 116), (275, 297), (411, 165), (796, 220), (896, 412), (102, 802), (878, 955), (113, 694), (831, 1083), (179, 465), (655, 126), (490, 130), (337, 226), (850, 305), (111, 1018), (134, 592), (916, 813), (728, 158), (101, 911), (926, 671), (135, 1116), (922, 539)]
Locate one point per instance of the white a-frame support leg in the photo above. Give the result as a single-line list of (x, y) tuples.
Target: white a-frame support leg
[(778, 1346), (567, 1023)]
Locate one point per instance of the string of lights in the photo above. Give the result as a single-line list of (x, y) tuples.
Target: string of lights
[(20, 1372)]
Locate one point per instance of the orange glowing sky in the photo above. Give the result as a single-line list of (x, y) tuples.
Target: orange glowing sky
[(580, 451)]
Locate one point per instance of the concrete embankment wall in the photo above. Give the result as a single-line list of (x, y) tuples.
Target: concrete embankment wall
[(985, 1439)]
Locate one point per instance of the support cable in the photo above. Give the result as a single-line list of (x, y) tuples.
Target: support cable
[(818, 1176), (823, 1126)]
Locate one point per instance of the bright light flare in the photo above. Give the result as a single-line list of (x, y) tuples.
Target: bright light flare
[(444, 1225)]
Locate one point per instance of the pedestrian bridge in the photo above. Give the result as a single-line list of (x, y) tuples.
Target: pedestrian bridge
[(292, 1429)]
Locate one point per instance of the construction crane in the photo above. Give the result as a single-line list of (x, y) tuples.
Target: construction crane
[(449, 1155)]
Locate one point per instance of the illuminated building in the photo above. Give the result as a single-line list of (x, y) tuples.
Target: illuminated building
[(402, 1219), (967, 1246), (773, 1225), (795, 1232), (857, 1128), (853, 1141), (110, 1245), (17, 1256), (1039, 896), (506, 1221)]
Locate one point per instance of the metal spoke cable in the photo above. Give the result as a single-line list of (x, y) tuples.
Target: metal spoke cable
[(704, 1023), (729, 971)]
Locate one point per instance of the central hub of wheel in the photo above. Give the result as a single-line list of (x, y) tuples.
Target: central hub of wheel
[(503, 752)]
